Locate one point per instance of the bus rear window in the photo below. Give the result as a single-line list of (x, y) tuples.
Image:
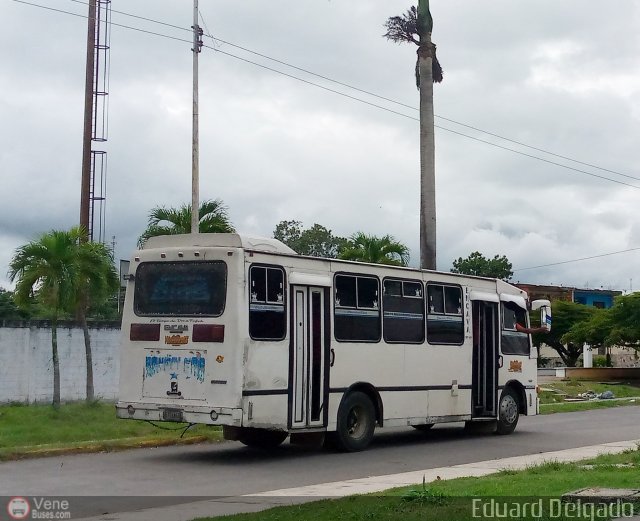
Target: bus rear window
[(180, 289)]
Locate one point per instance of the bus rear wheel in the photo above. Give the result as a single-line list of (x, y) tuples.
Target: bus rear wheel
[(261, 438), (508, 412), (356, 422)]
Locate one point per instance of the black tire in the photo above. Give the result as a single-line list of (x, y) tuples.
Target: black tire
[(356, 422), (261, 438), (508, 411), (424, 427)]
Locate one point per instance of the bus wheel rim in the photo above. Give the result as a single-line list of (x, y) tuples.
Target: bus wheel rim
[(508, 409), (355, 425)]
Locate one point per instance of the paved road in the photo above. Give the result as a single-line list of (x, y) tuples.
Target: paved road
[(173, 475)]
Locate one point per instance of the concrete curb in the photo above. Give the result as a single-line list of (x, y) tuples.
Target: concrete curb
[(98, 446), (481, 468)]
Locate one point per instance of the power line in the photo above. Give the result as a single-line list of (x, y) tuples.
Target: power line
[(412, 107), (354, 98), (369, 93), (111, 22), (577, 260)]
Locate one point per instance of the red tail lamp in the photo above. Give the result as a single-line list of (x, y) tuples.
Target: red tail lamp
[(148, 332), (208, 333)]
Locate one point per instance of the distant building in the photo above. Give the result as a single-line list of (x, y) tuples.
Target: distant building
[(599, 298)]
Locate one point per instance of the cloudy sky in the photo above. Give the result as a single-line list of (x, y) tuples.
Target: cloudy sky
[(560, 76)]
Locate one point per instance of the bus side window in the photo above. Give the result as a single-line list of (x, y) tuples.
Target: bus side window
[(444, 314), (514, 342), (267, 310), (403, 316), (513, 314), (357, 308)]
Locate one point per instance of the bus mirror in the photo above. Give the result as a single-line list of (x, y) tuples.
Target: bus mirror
[(545, 312), (545, 317)]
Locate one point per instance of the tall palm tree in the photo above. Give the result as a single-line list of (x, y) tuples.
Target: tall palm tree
[(64, 273), (172, 221), (379, 250), (415, 26)]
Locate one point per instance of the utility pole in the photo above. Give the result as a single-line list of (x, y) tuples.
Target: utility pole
[(85, 185), (195, 152)]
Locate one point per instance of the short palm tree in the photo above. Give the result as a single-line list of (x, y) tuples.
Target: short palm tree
[(63, 272), (172, 221), (379, 250), (97, 281)]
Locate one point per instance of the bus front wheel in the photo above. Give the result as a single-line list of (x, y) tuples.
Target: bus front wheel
[(356, 422), (508, 412)]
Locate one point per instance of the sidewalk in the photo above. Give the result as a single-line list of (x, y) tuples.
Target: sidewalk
[(289, 496)]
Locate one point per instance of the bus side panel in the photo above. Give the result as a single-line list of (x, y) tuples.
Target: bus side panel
[(441, 368), (266, 384)]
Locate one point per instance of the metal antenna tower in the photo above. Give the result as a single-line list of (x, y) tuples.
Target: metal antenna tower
[(96, 128)]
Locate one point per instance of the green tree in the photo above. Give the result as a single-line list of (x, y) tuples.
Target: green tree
[(213, 216), (415, 26), (316, 241), (97, 283), (567, 316), (9, 309), (624, 322), (379, 250), (616, 326), (477, 264), (63, 273)]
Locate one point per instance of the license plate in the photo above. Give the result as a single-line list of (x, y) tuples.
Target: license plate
[(172, 415)]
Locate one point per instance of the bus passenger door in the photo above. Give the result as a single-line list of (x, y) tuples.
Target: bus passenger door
[(485, 358), (308, 358)]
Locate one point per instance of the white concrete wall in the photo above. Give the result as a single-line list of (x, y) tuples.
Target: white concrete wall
[(26, 369)]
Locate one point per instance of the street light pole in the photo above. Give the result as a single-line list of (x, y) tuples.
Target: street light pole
[(195, 151)]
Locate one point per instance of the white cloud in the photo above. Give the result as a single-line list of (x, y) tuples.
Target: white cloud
[(556, 75)]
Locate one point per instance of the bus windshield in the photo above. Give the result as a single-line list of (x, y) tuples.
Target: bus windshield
[(180, 289)]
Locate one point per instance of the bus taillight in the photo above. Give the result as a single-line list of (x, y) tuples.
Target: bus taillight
[(148, 332), (208, 333)]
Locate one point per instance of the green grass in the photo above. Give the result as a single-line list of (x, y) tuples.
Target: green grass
[(38, 429), (552, 408), (572, 388), (452, 500)]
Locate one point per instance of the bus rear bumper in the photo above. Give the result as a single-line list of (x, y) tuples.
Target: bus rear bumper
[(179, 413)]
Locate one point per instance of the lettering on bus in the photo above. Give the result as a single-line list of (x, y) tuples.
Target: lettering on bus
[(176, 340), (467, 314)]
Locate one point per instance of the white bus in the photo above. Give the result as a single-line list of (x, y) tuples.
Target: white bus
[(243, 333)]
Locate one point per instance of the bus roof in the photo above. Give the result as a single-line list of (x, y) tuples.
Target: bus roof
[(274, 246), (224, 240)]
